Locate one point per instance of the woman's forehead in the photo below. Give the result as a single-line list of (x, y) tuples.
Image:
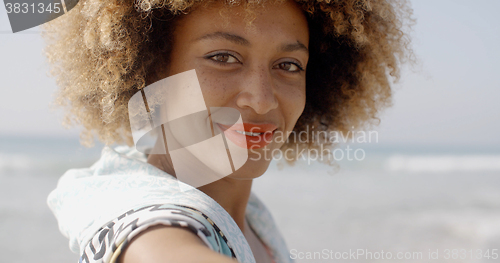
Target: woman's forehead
[(218, 20)]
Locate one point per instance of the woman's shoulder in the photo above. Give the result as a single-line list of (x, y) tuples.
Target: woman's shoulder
[(115, 236), (87, 199)]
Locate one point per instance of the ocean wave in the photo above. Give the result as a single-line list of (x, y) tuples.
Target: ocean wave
[(15, 162), (442, 163)]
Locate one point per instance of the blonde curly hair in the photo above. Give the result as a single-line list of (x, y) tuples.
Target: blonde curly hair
[(103, 51)]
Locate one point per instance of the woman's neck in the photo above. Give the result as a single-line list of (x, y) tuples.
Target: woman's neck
[(230, 193)]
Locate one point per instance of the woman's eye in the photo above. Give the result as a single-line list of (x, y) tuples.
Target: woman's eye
[(289, 66), (224, 58)]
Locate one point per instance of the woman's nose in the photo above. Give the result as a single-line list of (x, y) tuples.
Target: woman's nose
[(257, 91)]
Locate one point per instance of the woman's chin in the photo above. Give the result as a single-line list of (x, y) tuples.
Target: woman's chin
[(252, 169)]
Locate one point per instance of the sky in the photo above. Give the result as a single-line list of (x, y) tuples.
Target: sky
[(450, 97)]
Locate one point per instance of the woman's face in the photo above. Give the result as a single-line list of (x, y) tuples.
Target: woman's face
[(257, 69)]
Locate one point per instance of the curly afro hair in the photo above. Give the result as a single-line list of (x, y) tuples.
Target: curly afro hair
[(103, 51)]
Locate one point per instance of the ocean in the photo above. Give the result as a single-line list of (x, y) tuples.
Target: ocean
[(384, 204)]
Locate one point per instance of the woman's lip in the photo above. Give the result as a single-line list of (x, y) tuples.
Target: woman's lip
[(250, 127), (249, 142)]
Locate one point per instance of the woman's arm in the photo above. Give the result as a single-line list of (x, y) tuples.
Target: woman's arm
[(170, 244)]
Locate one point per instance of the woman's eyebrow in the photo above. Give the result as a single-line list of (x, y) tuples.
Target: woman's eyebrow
[(294, 47), (244, 42), (228, 36)]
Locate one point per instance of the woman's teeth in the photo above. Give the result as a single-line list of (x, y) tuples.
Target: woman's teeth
[(249, 133)]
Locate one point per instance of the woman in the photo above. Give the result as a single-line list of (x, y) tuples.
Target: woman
[(287, 67)]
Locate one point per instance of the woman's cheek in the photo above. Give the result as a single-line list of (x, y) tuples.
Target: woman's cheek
[(216, 90), (295, 98)]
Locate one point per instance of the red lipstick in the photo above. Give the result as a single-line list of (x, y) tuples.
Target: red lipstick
[(249, 135)]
